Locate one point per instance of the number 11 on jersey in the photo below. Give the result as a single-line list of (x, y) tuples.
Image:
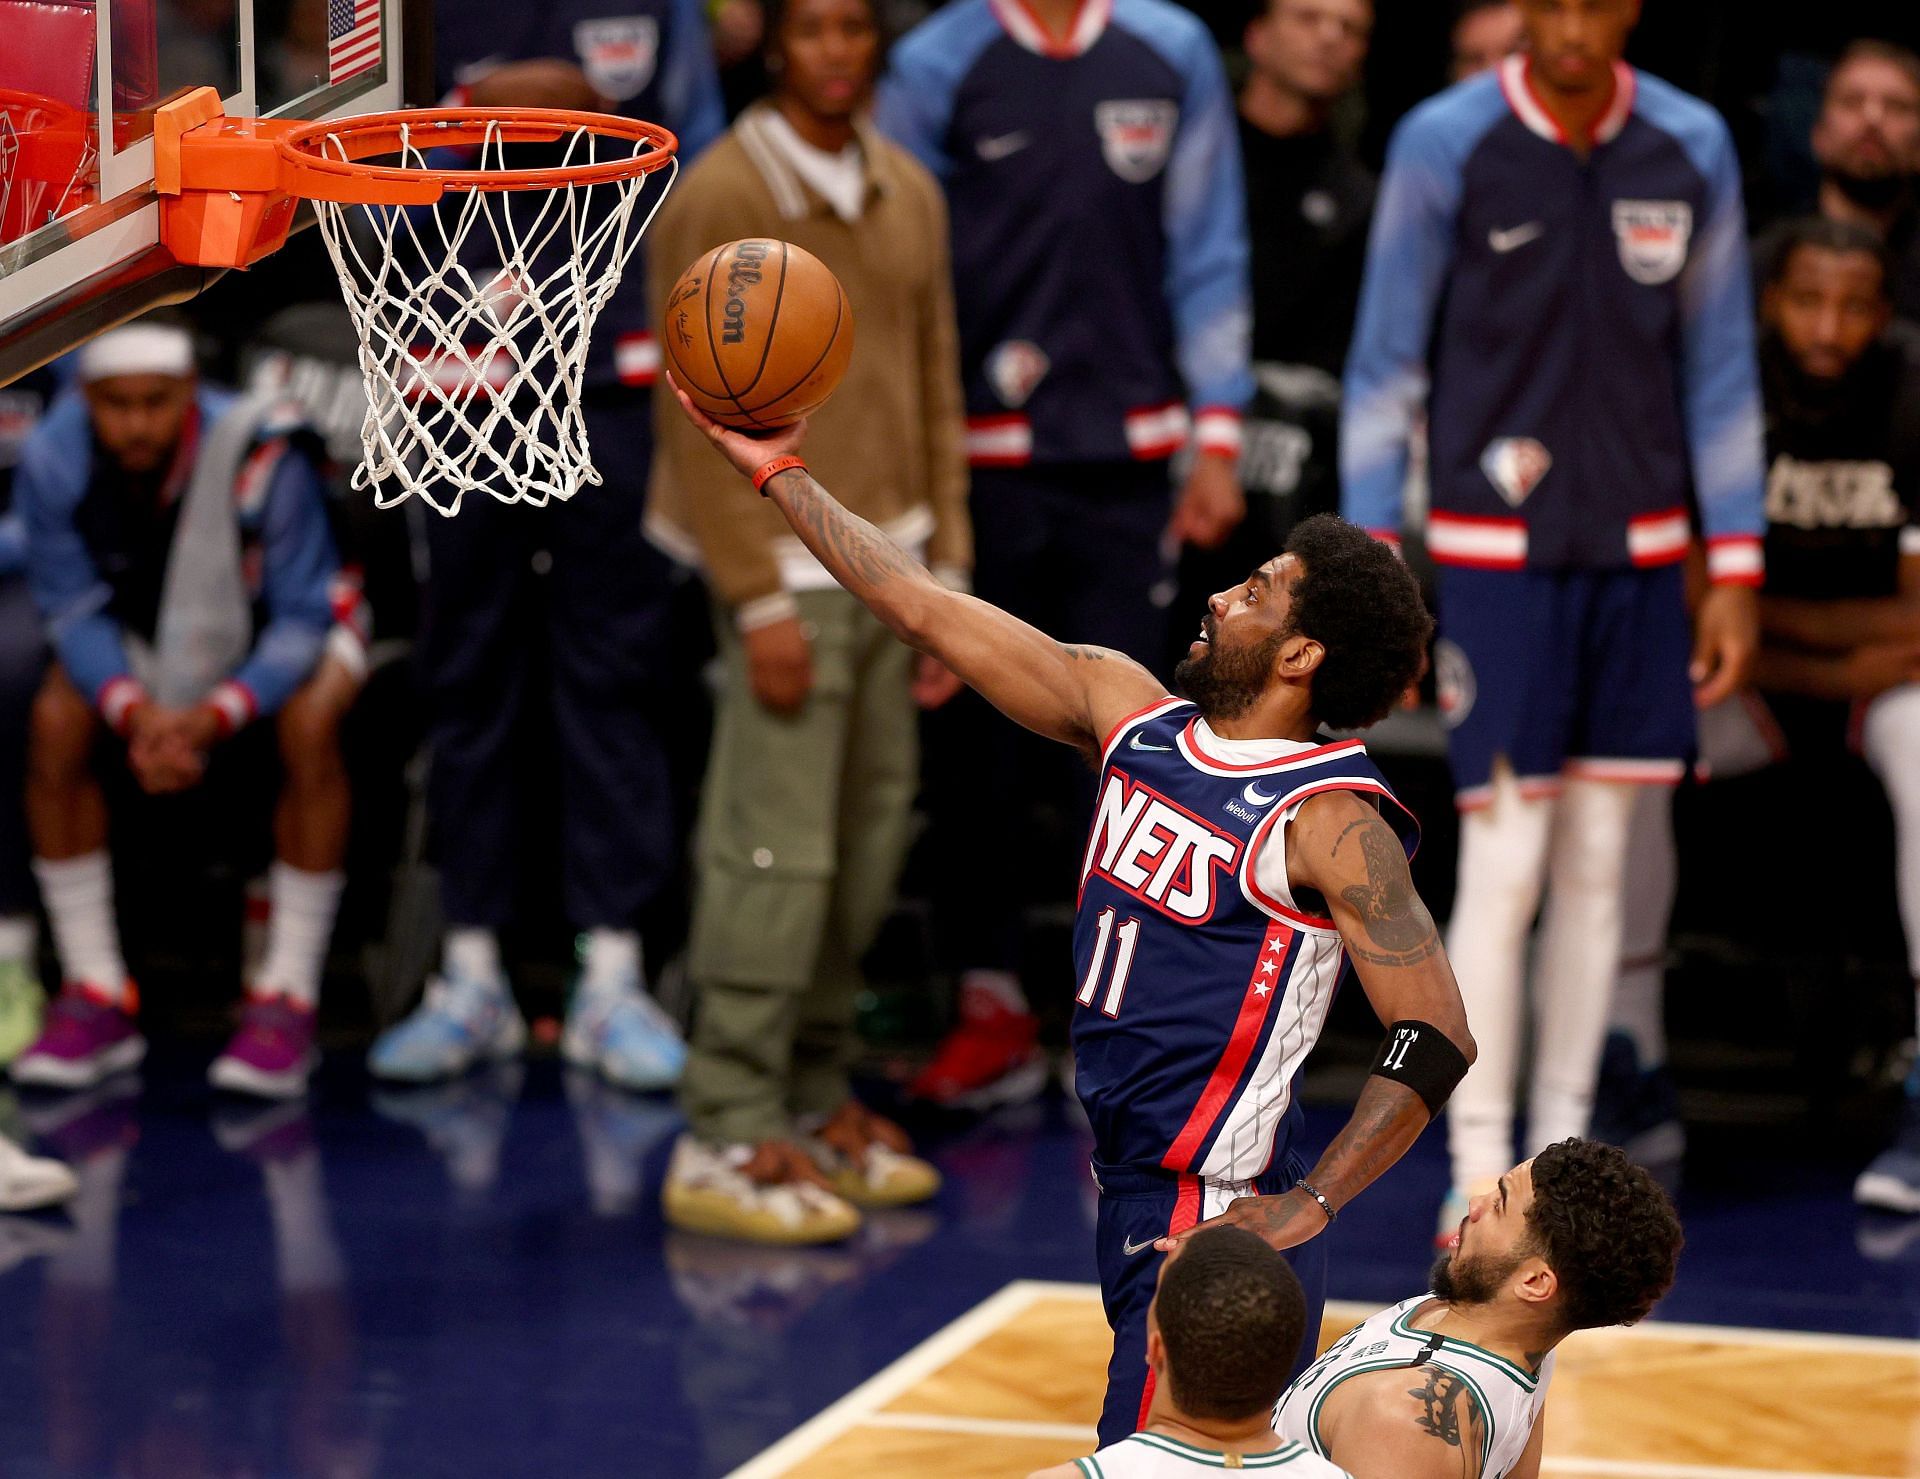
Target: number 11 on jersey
[(1129, 937)]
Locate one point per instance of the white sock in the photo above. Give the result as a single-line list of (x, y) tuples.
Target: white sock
[(299, 927), (78, 893), (18, 935), (1639, 995), (1503, 850), (610, 958), (472, 951), (1002, 988), (1891, 739), (1579, 955)]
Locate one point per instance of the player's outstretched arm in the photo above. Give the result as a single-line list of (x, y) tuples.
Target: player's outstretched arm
[(1073, 694), (1413, 1422), (1339, 846)]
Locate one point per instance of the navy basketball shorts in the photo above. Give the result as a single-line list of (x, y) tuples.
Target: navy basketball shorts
[(1136, 1208), (1564, 673)]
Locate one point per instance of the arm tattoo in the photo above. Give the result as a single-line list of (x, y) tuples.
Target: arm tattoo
[(1084, 654), (1395, 918), (1442, 1415), (859, 555)]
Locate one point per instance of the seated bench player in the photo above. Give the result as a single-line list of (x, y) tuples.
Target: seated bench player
[(179, 552)]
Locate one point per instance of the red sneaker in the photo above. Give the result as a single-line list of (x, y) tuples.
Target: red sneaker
[(992, 1056)]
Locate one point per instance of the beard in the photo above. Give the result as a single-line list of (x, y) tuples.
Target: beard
[(1873, 189), (1225, 684), (1471, 1280)]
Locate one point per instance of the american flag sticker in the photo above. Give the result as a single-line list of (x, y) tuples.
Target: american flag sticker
[(353, 38)]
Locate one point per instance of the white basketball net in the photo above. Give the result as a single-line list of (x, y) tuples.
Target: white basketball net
[(474, 316)]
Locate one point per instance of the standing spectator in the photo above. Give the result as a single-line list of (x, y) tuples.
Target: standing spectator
[(1485, 34), (1100, 265), (603, 620), (1309, 200), (1839, 660), (1558, 277), (810, 786), (1867, 143), (178, 549)]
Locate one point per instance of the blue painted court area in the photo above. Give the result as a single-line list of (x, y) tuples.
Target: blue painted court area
[(476, 1281)]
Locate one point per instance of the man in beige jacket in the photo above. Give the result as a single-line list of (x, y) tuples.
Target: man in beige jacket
[(804, 823)]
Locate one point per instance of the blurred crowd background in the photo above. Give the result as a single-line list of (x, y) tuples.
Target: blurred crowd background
[(635, 759)]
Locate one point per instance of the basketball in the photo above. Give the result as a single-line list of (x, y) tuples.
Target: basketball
[(758, 333)]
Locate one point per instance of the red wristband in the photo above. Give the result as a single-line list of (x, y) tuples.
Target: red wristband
[(770, 470)]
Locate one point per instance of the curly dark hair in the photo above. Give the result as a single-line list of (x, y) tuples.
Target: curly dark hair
[(1357, 600), (1607, 1231), (1232, 1314)]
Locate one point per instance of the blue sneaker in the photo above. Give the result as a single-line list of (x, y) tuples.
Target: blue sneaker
[(1637, 1108), (622, 1034), (461, 1021), (1892, 1181)]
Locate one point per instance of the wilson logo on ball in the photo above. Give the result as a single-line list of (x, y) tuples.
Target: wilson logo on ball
[(743, 273)]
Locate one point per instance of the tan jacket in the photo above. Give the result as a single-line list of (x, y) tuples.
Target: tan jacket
[(890, 445)]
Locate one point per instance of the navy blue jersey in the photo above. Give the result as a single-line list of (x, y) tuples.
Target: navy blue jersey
[(1578, 331), (1203, 984), (1099, 225), (653, 60)]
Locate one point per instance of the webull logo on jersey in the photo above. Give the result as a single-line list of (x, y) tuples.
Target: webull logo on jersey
[(1136, 137), (1162, 854), (618, 53), (1653, 237)]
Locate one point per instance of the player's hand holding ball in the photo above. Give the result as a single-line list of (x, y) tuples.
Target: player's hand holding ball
[(757, 335)]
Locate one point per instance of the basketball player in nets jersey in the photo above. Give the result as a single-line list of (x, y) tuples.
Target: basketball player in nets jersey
[(1453, 1384), (1237, 859), (1222, 1333)]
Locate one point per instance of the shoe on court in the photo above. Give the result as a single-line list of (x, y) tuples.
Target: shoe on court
[(869, 1161), (992, 1056), (1892, 1181), (87, 1038), (272, 1055), (29, 1182), (625, 1036), (765, 1193), (461, 1021), (23, 1007)]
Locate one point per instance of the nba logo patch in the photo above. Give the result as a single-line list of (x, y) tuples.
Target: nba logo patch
[(617, 53), (1454, 688), (1653, 237), (1136, 137), (1515, 466), (1015, 368)]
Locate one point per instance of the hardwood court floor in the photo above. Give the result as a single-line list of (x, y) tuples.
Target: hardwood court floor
[(1015, 1384)]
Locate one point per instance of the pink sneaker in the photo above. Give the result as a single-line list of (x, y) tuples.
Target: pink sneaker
[(272, 1054), (89, 1036)]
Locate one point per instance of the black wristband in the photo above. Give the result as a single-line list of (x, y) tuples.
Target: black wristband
[(1422, 1057)]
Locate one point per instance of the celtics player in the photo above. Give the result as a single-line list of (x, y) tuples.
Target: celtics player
[(1222, 1332), (1453, 1384)]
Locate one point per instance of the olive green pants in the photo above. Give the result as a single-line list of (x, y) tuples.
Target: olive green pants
[(803, 828)]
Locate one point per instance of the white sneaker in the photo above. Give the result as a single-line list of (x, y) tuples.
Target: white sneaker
[(28, 1182), (708, 1191), (621, 1033)]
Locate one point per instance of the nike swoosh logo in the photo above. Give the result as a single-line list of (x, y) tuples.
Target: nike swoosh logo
[(1129, 1248), (1134, 743), (1514, 237), (1000, 146), (1257, 797)]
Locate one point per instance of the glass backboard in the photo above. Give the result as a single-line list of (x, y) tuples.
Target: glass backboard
[(79, 83)]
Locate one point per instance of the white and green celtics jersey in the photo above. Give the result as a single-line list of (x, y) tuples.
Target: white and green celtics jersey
[(1509, 1397), (1154, 1456)]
